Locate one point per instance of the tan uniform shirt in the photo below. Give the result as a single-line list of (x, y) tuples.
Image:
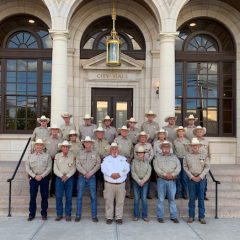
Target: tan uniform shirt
[(189, 132), (180, 147), (64, 165), (102, 147), (40, 132), (110, 134), (141, 170), (65, 129), (76, 147), (148, 151), (133, 135), (171, 133), (88, 162), (125, 147), (196, 165), (205, 146), (166, 164), (150, 128), (52, 145), (38, 164), (85, 130)]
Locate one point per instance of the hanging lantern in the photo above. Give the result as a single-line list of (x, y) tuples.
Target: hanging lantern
[(113, 44)]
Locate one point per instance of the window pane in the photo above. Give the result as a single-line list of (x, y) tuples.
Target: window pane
[(212, 128), (227, 80), (21, 88), (227, 68), (22, 77), (11, 65), (32, 77), (11, 88), (21, 65), (46, 89), (32, 65), (178, 87), (11, 77), (227, 128), (32, 89)]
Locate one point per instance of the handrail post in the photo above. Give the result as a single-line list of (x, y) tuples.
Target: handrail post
[(10, 199), (216, 200)]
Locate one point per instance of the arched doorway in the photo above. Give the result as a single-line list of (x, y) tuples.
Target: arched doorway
[(205, 76)]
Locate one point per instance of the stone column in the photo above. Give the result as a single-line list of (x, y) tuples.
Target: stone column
[(59, 91), (167, 75)]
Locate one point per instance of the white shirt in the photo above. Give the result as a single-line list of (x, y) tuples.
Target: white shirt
[(112, 165)]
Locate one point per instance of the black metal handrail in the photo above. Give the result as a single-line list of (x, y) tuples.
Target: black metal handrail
[(13, 176), (216, 193)]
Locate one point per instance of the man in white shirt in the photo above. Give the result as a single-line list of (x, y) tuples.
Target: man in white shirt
[(115, 169)]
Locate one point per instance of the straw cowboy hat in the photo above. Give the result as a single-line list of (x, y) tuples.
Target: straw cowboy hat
[(123, 128), (114, 145), (66, 115), (201, 128), (72, 132), (162, 131), (99, 129), (132, 119), (107, 118), (191, 117), (140, 149), (54, 126), (170, 116), (195, 141), (143, 134), (64, 143), (180, 128), (87, 116), (87, 139), (43, 118), (38, 141), (166, 143), (150, 113)]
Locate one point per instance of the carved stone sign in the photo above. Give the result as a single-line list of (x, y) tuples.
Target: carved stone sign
[(112, 76)]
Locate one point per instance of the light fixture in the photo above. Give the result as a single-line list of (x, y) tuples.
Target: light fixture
[(156, 86), (113, 43), (31, 21), (193, 24)]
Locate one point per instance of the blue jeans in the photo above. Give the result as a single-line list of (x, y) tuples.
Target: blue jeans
[(140, 192), (196, 189), (166, 188), (91, 183), (182, 182), (44, 190), (61, 188)]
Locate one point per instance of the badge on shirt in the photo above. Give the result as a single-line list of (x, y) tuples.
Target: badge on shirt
[(70, 164)]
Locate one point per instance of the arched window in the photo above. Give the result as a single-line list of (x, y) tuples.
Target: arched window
[(205, 76), (25, 68), (94, 38)]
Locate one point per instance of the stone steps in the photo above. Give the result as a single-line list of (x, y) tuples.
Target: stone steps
[(229, 194)]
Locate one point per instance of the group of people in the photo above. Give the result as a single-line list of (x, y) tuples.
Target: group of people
[(127, 161)]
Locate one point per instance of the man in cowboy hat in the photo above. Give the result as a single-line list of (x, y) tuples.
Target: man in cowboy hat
[(141, 172), (196, 165), (52, 149), (150, 126), (125, 149), (167, 167), (87, 128), (38, 166), (190, 126), (180, 146), (133, 131), (170, 128), (115, 169), (64, 169), (88, 162), (67, 126), (161, 136), (199, 132), (142, 141), (110, 131), (42, 131)]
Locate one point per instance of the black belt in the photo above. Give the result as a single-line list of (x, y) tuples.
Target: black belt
[(167, 179), (114, 183)]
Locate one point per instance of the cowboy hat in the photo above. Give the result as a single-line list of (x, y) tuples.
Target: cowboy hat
[(64, 143), (195, 141), (87, 139), (143, 134), (107, 118), (123, 128), (72, 132), (166, 143), (38, 141), (43, 118), (66, 114), (140, 149), (170, 116), (99, 129), (150, 113), (54, 126), (114, 145), (162, 131), (201, 128), (180, 128), (132, 119), (191, 117), (87, 116)]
